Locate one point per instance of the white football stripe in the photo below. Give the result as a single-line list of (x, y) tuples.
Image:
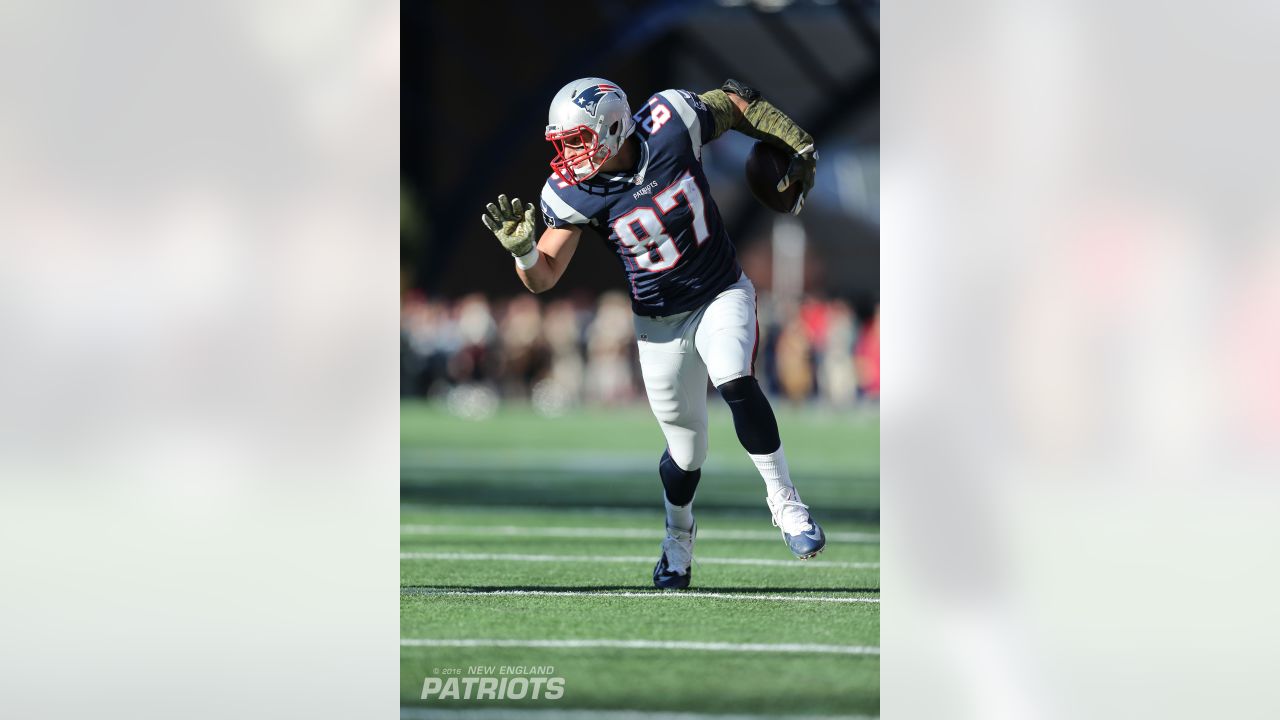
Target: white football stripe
[(513, 557), (647, 645), (690, 118), (430, 713), (626, 594), (560, 208), (616, 533)]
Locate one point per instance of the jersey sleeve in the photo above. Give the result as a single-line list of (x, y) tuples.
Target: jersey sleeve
[(556, 212), (696, 116)]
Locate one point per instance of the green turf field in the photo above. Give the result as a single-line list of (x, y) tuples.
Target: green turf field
[(528, 541)]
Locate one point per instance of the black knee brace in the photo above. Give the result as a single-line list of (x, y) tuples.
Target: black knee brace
[(752, 416), (680, 484)]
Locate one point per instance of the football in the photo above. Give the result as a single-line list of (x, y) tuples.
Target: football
[(766, 165)]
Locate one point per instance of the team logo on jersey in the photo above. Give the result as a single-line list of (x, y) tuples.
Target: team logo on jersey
[(587, 99)]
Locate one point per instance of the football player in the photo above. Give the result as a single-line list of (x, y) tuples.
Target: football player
[(637, 180)]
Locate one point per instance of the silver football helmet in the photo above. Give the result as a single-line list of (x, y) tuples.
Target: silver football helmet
[(587, 124)]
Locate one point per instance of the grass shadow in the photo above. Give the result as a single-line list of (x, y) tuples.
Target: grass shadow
[(497, 589)]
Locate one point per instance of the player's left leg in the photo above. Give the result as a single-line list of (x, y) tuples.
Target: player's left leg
[(726, 338)]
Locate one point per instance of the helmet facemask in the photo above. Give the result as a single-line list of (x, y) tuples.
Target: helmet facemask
[(587, 124), (579, 153)]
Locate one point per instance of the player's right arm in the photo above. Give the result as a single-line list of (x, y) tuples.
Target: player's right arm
[(539, 266)]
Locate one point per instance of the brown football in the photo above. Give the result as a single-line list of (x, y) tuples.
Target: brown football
[(766, 165)]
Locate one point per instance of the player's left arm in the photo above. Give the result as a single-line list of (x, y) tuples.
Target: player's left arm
[(736, 106)]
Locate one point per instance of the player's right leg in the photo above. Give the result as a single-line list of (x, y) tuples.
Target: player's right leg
[(675, 383)]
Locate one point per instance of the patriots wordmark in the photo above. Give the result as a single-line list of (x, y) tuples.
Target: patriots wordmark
[(492, 688)]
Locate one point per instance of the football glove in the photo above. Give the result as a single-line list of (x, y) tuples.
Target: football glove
[(803, 168), (762, 121), (512, 222)]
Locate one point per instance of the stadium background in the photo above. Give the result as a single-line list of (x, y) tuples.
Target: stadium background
[(476, 82), (530, 502)]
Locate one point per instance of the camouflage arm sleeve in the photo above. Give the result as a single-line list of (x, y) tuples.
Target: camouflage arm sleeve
[(761, 121), (722, 110)]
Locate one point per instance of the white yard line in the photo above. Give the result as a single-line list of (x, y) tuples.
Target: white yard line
[(646, 645), (617, 533), (651, 595), (513, 557), (527, 458), (546, 460), (425, 713)]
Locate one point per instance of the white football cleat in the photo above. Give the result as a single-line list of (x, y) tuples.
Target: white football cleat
[(799, 530), (673, 570)]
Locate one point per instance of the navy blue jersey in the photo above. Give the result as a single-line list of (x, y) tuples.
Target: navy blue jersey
[(661, 221)]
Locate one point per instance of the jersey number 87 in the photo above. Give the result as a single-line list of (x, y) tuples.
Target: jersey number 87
[(653, 248)]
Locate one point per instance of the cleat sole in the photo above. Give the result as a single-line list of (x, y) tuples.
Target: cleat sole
[(813, 554)]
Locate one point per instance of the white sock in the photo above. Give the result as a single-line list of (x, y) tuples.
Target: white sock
[(773, 468), (679, 516)]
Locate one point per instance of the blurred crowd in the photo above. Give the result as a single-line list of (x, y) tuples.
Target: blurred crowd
[(476, 352)]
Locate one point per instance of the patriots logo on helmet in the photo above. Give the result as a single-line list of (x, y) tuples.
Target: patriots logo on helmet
[(588, 98)]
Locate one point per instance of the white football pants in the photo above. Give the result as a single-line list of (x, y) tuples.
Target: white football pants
[(679, 352)]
